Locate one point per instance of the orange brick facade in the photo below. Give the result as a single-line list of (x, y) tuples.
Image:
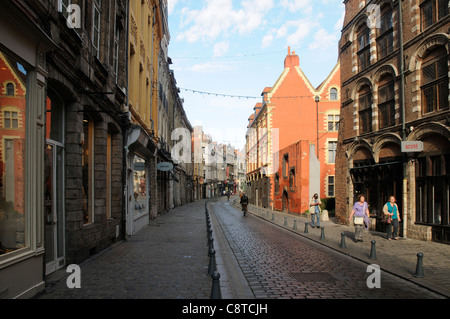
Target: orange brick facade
[(287, 122)]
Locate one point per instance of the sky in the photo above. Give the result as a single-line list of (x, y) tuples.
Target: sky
[(225, 52)]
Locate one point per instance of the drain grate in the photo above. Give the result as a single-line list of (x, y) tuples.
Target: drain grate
[(312, 276)]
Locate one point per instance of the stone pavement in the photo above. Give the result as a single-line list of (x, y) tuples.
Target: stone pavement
[(398, 257), (166, 260)]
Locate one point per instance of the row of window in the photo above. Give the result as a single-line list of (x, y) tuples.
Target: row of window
[(330, 184), (431, 12), (434, 92), (64, 5)]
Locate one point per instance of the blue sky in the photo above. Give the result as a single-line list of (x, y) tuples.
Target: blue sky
[(237, 48)]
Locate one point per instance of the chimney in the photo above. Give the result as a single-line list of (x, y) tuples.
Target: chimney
[(292, 60)]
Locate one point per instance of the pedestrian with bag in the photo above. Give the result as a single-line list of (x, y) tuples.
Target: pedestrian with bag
[(360, 208), (392, 218), (315, 211)]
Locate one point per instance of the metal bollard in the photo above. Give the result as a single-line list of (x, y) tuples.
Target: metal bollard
[(419, 267), (373, 253), (295, 224), (215, 289), (285, 221), (210, 243), (273, 216), (322, 233), (306, 228), (212, 262), (343, 245)]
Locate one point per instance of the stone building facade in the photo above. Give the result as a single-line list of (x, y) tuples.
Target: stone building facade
[(395, 93), (74, 74)]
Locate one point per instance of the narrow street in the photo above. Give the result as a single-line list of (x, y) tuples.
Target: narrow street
[(280, 264)]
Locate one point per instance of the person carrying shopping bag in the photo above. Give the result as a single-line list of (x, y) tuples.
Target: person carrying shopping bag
[(392, 218), (360, 208)]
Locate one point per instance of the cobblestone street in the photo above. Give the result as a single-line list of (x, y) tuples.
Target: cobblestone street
[(280, 264)]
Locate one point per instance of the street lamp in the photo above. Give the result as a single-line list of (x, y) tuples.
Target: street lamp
[(317, 99)]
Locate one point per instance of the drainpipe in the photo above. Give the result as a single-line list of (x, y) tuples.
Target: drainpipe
[(126, 127), (403, 108)]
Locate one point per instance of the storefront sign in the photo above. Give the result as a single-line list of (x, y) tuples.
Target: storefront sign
[(164, 166), (413, 146)]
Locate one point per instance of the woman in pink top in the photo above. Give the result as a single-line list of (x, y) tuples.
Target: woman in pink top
[(359, 209)]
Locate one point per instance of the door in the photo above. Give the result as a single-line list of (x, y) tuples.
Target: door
[(54, 207)]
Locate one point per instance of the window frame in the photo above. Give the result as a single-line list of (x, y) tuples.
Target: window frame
[(386, 108), (96, 27), (436, 84), (386, 35), (435, 15), (365, 114), (332, 149), (363, 49)]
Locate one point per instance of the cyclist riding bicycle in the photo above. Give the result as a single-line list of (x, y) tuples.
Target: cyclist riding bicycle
[(244, 203)]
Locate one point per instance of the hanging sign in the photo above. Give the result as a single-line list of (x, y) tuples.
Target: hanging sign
[(164, 166), (412, 146)]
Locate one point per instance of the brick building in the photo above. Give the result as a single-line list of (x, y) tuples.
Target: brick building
[(394, 69), (293, 118)]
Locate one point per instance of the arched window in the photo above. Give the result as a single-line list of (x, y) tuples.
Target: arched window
[(333, 94), (363, 43), (386, 102), (385, 34), (10, 89), (435, 81), (365, 109)]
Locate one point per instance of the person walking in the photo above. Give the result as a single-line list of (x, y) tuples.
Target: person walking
[(315, 211), (390, 209), (360, 208)]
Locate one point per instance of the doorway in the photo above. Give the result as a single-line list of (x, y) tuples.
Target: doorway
[(54, 221), (54, 208)]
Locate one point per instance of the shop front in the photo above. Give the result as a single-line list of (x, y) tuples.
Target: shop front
[(22, 147), (140, 161)]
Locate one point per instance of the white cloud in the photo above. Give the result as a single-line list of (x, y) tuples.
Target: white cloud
[(220, 18), (171, 6), (211, 67), (267, 41), (221, 48), (323, 39), (297, 5)]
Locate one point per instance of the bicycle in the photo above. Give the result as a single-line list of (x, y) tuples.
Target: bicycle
[(244, 209)]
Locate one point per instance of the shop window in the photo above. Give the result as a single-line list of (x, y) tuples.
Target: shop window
[(12, 160), (433, 11), (88, 171), (363, 42), (365, 110), (433, 190), (385, 39), (386, 103), (435, 81), (139, 184)]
